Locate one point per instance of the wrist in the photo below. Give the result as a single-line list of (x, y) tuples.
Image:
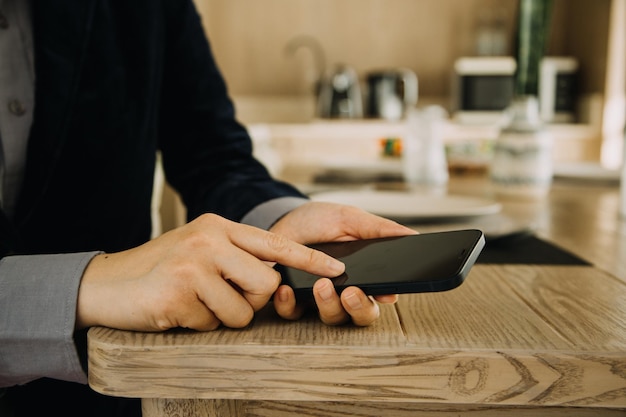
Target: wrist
[(86, 302)]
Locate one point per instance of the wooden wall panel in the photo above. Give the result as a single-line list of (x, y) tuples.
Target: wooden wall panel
[(249, 38)]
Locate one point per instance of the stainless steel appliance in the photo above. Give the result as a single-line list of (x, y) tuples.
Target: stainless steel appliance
[(390, 93), (340, 95), (557, 89), (482, 88)]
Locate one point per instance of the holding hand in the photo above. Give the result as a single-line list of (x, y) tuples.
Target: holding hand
[(208, 272), (317, 222), (213, 271)]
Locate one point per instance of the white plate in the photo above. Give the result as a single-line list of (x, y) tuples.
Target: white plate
[(361, 166), (411, 206), (585, 171)]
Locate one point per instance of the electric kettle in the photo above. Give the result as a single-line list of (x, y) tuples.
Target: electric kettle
[(340, 94), (391, 93)]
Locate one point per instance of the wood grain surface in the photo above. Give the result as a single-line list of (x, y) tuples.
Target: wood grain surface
[(227, 408), (509, 335), (519, 340)]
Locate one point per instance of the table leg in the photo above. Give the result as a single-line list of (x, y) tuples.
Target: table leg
[(165, 407)]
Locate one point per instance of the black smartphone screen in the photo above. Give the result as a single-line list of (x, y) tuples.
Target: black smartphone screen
[(416, 263)]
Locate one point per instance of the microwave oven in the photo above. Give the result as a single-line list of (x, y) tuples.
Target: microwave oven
[(482, 88), (558, 89)]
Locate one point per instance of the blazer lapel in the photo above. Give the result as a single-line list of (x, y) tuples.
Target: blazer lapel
[(62, 30), (9, 239)]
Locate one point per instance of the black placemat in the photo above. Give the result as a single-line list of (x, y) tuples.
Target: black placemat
[(526, 249)]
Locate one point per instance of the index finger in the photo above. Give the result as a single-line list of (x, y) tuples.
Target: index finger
[(273, 247)]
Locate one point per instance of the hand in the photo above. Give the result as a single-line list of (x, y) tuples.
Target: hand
[(317, 222), (208, 272)]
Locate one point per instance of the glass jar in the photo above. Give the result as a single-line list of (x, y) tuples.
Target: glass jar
[(522, 160), (622, 202), (423, 152)]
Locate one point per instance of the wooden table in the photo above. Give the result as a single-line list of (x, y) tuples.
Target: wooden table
[(520, 340)]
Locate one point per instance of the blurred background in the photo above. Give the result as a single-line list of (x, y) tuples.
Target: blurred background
[(427, 36), (276, 54)]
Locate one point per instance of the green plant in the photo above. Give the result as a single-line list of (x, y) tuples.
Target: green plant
[(533, 27)]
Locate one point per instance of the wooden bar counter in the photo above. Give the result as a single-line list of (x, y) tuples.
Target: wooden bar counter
[(514, 339)]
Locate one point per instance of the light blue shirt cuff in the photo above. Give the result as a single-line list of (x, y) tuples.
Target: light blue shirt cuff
[(266, 214)]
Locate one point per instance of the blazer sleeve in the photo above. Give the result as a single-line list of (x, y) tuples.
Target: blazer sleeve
[(207, 153)]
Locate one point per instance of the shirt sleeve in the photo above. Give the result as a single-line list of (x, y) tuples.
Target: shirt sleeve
[(38, 299), (266, 214)]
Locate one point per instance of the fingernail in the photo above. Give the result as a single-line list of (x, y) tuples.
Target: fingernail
[(325, 291), (282, 295), (353, 300), (336, 266)]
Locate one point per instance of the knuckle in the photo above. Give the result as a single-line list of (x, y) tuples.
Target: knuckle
[(348, 211), (314, 256), (198, 241), (195, 239), (242, 319), (209, 219), (200, 322), (271, 284), (267, 282), (209, 325), (163, 324), (276, 242), (171, 312)]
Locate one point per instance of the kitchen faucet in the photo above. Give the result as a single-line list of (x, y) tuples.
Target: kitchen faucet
[(319, 58)]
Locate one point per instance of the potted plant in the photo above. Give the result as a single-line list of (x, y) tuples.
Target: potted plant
[(522, 160), (533, 25)]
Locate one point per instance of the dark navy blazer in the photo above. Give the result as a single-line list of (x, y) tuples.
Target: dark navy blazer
[(117, 80)]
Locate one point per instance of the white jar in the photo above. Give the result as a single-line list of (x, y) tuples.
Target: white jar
[(522, 164), (622, 202), (423, 152)]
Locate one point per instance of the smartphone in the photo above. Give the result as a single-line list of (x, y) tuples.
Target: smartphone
[(426, 262)]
